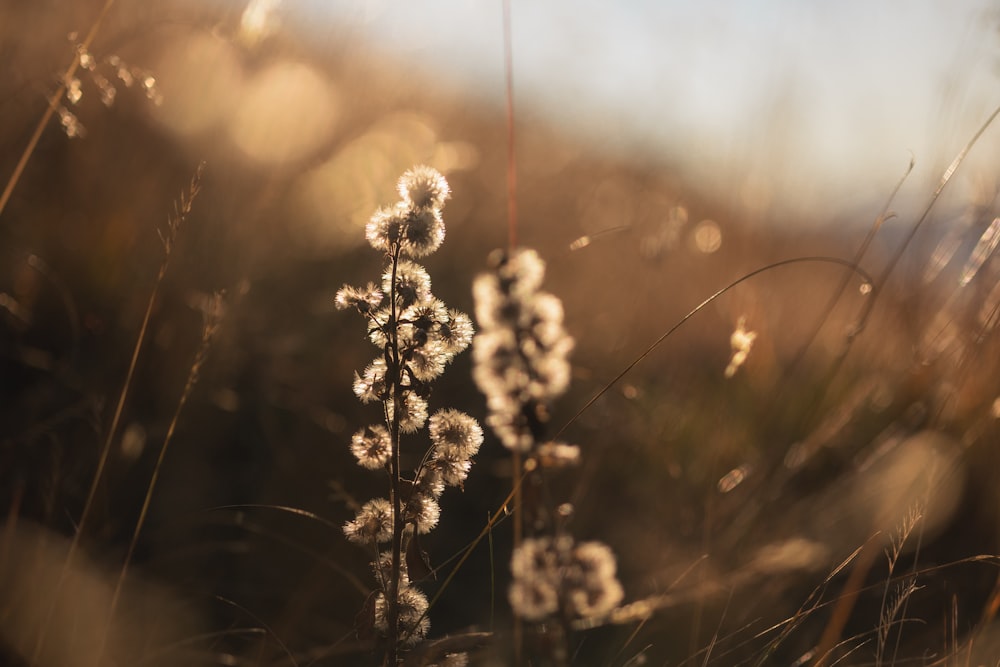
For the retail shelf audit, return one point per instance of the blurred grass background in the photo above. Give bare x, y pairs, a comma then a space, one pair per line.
736, 496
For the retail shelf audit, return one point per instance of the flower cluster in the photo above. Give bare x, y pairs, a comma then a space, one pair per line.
559, 575
521, 365
417, 336
521, 351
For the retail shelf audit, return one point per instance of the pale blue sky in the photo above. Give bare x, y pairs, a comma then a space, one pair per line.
826, 97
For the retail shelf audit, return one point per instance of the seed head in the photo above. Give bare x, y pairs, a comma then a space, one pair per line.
423, 233
413, 623
554, 574
384, 230
423, 187
413, 283
371, 386
453, 430
373, 523
365, 299
372, 447
413, 412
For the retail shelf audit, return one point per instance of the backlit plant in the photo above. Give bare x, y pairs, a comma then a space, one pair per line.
417, 336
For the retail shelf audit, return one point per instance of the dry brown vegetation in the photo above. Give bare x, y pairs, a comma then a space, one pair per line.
729, 501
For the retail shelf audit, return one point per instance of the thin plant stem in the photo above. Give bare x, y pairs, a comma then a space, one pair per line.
516, 462
211, 326
53, 104
945, 179
894, 260
493, 578
181, 212
101, 463
697, 309
394, 373
859, 255
517, 629
830, 638
508, 52
266, 628
486, 531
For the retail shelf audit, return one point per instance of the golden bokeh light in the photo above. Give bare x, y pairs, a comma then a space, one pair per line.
201, 81
287, 111
341, 194
707, 237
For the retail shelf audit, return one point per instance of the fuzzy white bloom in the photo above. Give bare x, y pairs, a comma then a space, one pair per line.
446, 468
413, 622
372, 447
453, 430
591, 587
385, 228
424, 316
423, 187
373, 523
363, 299
556, 574
429, 335
371, 386
413, 412
382, 569
424, 512
534, 593
455, 334
521, 353
423, 232
378, 327
456, 438
413, 283
426, 361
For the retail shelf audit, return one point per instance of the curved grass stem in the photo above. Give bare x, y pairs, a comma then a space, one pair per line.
697, 309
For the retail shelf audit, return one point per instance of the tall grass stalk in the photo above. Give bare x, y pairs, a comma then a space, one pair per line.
212, 313
50, 110
168, 237
508, 64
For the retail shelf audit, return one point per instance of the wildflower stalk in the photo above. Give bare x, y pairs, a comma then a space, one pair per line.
521, 365
418, 336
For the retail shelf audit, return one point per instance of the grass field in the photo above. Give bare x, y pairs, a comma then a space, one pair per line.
177, 385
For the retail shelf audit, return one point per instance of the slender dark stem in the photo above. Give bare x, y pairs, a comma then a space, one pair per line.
859, 255
945, 179
511, 162
516, 462
697, 309
395, 377
487, 530
211, 325
50, 110
182, 211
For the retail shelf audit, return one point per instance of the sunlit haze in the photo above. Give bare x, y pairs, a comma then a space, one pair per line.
789, 103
